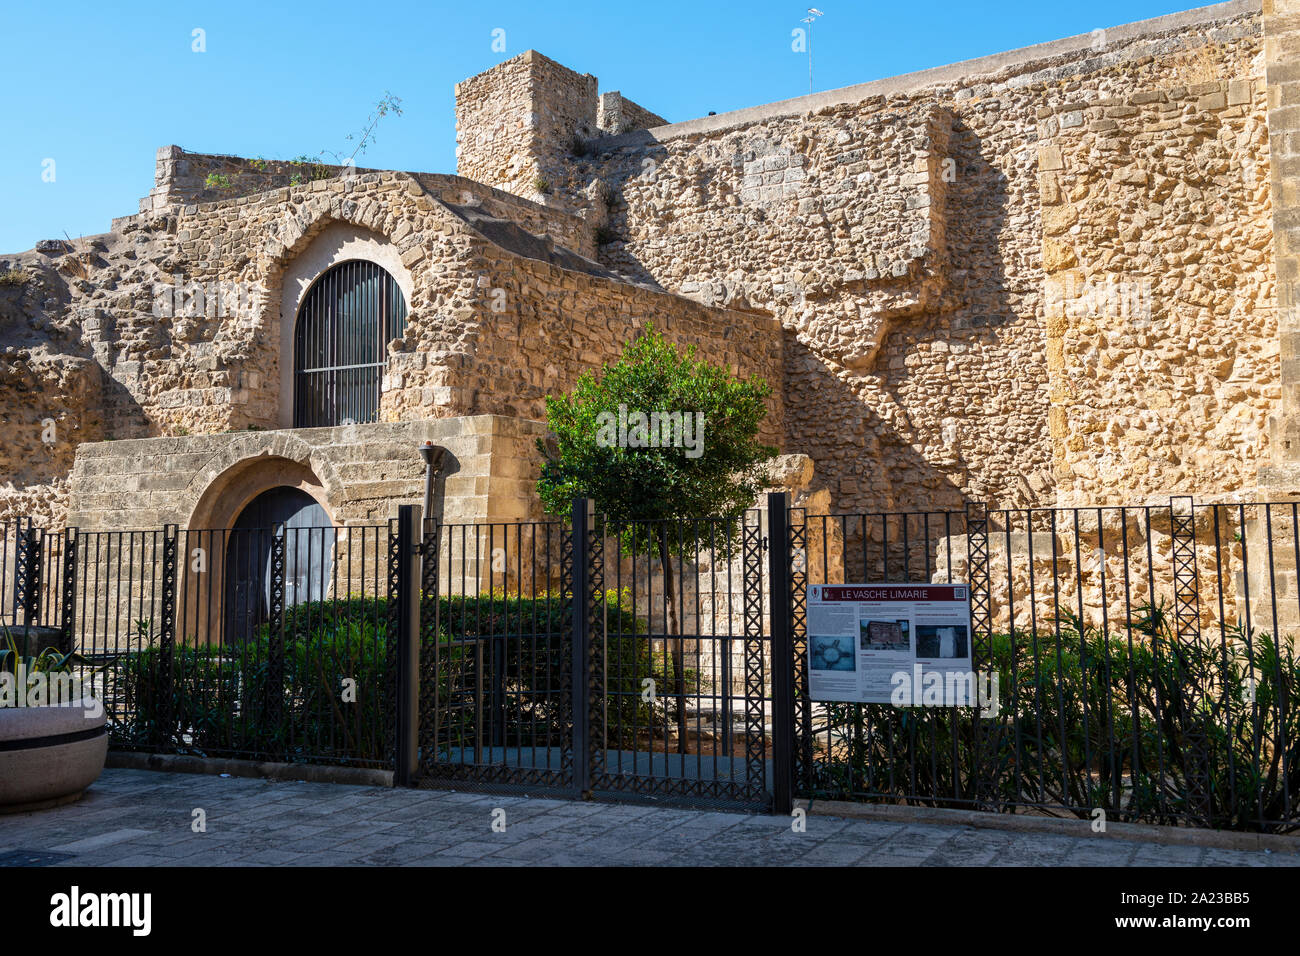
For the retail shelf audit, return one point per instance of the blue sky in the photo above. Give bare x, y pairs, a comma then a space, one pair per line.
97, 87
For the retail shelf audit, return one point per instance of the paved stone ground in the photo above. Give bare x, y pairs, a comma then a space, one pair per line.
143, 818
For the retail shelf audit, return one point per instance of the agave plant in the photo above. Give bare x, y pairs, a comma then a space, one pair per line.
48, 661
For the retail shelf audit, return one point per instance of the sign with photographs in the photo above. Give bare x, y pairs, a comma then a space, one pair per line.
872, 643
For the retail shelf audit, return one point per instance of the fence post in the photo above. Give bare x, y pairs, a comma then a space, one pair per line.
1187, 635
981, 637
430, 620
27, 575
408, 645
755, 696
583, 516
167, 636
68, 613
275, 631
778, 569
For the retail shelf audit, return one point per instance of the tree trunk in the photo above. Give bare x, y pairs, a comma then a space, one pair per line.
674, 639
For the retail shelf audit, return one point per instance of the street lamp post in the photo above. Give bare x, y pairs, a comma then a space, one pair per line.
813, 14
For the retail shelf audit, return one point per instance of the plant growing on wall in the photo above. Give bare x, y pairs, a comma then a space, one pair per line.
318, 166
639, 482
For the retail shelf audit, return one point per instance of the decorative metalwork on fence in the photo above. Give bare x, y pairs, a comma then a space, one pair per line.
265, 644
1145, 657
494, 658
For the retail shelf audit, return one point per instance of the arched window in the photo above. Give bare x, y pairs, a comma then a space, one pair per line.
341, 338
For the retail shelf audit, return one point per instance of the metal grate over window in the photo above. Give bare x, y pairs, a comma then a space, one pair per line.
340, 344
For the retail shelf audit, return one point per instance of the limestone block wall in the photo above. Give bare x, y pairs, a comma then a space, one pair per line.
562, 228
183, 178
52, 404
513, 120
185, 314
359, 473
1162, 335
1282, 46
615, 114
897, 231
554, 324
519, 123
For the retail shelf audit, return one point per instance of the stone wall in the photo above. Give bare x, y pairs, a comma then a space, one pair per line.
359, 473
940, 271
53, 404
520, 123
554, 324
1162, 339
183, 313
616, 114
1282, 54
182, 178
896, 230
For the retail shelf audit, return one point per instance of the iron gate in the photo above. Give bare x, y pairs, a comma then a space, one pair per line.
591, 659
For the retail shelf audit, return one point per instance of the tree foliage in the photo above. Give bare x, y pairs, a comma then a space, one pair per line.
631, 480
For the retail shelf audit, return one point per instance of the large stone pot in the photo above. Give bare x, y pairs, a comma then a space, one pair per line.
49, 755
33, 639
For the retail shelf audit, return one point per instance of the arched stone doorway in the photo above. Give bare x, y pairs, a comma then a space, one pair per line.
285, 520
333, 244
224, 593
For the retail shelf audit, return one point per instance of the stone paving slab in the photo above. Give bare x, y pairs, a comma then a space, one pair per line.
144, 818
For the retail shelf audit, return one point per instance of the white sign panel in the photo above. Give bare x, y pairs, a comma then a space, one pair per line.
862, 637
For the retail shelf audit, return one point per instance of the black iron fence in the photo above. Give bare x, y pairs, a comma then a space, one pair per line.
1145, 662
31, 574
495, 655
655, 686
269, 644
1144, 657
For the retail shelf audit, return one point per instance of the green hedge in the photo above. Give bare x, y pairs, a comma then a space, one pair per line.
236, 702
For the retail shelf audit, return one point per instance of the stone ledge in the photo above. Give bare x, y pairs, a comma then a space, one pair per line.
1025, 57
1017, 823
312, 773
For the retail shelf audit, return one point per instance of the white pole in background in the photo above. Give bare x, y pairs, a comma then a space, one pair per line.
810, 20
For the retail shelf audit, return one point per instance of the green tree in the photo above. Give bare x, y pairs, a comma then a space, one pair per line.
657, 437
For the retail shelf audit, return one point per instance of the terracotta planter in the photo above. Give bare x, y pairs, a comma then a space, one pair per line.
48, 755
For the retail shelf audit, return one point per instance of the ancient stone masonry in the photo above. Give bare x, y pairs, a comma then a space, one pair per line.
1162, 341
518, 124
179, 321
903, 236
1055, 276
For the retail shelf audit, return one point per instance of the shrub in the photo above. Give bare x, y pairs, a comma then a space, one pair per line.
280, 695
1090, 720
